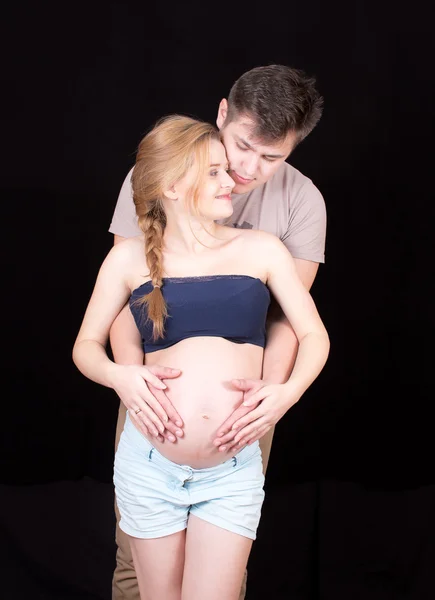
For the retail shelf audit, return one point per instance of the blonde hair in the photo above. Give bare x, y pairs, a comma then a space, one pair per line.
165, 155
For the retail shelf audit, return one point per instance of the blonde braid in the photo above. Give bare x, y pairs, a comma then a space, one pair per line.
165, 155
153, 225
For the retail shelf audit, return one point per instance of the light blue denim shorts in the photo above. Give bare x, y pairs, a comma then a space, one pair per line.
155, 495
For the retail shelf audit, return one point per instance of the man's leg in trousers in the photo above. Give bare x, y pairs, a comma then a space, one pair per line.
265, 446
124, 582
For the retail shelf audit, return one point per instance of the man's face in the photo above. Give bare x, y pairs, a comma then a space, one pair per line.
252, 163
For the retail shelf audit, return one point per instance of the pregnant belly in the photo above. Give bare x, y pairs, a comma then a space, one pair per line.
203, 394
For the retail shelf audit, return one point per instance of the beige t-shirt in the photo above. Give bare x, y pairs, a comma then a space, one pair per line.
288, 205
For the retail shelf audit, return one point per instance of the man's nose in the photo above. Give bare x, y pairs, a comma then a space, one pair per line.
250, 165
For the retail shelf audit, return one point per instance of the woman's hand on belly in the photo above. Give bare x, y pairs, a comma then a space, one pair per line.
226, 434
131, 383
203, 413
267, 404
203, 395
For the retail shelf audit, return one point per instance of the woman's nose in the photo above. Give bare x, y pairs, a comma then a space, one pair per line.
228, 181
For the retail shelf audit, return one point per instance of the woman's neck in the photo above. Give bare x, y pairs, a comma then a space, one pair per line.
191, 235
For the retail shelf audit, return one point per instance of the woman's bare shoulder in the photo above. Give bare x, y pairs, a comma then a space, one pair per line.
129, 248
127, 254
258, 238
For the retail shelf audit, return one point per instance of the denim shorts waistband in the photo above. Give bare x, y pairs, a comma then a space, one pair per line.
153, 454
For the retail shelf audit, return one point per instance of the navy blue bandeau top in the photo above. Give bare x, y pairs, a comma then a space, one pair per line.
233, 307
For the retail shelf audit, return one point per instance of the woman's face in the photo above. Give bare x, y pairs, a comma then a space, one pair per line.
215, 193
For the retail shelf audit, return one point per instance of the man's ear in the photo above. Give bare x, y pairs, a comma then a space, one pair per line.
171, 194
222, 113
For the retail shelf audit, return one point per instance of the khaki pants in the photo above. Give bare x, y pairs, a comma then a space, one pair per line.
124, 583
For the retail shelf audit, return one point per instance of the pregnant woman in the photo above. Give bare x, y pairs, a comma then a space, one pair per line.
199, 294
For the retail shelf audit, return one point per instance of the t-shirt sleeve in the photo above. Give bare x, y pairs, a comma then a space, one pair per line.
124, 220
306, 233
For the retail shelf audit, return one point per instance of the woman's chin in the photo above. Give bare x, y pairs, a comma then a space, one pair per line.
224, 214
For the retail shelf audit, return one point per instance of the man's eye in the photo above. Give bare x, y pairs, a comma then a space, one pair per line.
269, 159
241, 147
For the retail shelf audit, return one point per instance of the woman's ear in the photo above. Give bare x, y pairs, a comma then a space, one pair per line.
222, 113
171, 194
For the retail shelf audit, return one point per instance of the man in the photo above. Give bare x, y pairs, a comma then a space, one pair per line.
269, 111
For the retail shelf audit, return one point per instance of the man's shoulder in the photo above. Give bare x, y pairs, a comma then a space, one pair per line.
301, 192
286, 182
286, 192
291, 180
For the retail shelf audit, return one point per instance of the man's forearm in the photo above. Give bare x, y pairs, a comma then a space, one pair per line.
280, 352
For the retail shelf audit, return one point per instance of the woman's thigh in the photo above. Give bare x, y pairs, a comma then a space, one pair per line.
231, 497
215, 562
159, 565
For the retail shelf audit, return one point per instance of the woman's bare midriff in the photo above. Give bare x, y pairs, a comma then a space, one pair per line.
203, 394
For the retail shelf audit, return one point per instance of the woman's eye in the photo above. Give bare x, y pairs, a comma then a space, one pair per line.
214, 173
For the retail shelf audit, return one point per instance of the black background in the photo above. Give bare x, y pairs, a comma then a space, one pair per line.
351, 502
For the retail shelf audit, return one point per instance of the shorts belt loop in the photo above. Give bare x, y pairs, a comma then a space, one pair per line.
150, 454
234, 461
